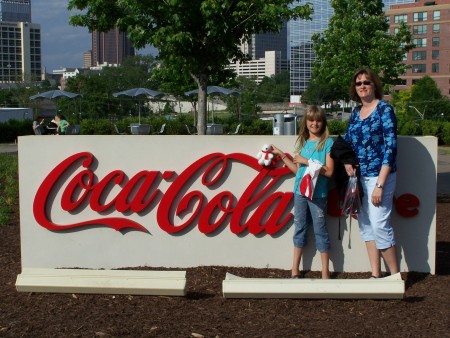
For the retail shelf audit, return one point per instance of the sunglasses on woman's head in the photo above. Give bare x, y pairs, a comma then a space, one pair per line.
365, 83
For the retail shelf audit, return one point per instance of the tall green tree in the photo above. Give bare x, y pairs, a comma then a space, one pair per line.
97, 88
274, 88
428, 100
198, 37
357, 36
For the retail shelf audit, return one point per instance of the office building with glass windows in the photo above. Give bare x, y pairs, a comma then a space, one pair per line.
302, 56
15, 10
268, 53
429, 23
110, 48
20, 44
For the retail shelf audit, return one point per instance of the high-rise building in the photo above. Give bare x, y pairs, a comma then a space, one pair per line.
259, 44
268, 53
301, 52
20, 52
15, 10
87, 59
111, 47
270, 64
429, 22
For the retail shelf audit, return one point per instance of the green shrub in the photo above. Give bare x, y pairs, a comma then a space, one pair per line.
431, 128
87, 127
11, 129
257, 127
410, 128
103, 127
337, 127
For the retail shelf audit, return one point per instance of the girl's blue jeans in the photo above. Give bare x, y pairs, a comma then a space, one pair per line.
313, 211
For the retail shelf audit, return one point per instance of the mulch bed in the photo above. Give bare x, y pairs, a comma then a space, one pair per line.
423, 312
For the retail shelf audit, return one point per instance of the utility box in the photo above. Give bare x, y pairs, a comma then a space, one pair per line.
285, 124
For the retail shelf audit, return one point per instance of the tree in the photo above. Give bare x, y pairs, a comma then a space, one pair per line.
274, 88
357, 37
97, 88
197, 37
427, 98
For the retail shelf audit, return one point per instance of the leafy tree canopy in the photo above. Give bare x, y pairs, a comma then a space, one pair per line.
197, 37
357, 37
427, 98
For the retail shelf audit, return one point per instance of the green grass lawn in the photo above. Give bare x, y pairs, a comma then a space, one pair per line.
9, 187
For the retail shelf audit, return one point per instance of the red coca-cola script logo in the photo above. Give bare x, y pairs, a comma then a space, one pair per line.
260, 208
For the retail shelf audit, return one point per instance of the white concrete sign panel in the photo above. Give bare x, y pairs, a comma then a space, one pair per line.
104, 202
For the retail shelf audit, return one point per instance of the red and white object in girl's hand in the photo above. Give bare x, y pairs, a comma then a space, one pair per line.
309, 180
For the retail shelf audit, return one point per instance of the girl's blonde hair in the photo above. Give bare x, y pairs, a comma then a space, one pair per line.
313, 113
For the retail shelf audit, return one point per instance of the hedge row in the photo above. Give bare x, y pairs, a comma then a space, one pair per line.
177, 126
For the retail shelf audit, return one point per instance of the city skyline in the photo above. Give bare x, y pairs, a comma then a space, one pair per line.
63, 45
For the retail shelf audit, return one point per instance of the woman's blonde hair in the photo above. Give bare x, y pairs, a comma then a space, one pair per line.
313, 113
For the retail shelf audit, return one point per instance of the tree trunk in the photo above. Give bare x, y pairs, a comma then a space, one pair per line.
202, 81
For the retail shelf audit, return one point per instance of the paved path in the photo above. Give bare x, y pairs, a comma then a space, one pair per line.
443, 172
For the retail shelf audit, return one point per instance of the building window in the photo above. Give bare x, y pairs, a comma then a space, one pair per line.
420, 68
402, 82
422, 29
435, 67
435, 42
400, 18
420, 42
421, 16
437, 15
435, 54
419, 55
436, 28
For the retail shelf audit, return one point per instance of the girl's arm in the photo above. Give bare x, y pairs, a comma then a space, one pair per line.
328, 169
286, 160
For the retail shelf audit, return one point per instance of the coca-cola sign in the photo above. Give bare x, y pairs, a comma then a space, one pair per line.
141, 192
183, 201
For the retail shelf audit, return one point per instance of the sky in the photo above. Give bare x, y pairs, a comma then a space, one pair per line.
63, 45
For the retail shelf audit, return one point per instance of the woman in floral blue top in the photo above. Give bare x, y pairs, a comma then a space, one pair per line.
372, 133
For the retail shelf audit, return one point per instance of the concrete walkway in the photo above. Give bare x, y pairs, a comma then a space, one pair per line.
443, 172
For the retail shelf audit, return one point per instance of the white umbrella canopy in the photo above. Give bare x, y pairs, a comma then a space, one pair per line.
54, 94
139, 92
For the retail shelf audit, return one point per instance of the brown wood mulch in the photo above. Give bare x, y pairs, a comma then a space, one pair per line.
424, 311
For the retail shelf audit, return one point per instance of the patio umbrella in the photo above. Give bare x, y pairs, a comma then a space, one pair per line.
214, 90
139, 92
54, 94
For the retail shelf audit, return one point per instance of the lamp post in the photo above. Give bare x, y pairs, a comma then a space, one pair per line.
422, 115
9, 75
